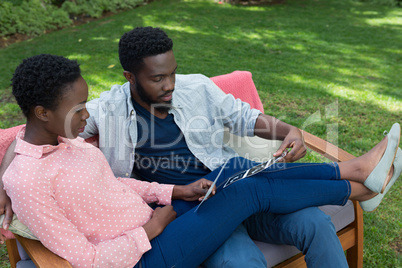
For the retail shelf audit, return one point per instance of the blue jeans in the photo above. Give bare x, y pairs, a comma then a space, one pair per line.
281, 189
309, 229
237, 251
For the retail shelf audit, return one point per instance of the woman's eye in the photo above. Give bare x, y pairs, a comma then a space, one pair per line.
80, 108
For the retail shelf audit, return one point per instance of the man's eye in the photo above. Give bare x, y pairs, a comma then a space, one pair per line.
158, 79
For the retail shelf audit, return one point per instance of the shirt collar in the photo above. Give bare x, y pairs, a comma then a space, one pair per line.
37, 151
130, 106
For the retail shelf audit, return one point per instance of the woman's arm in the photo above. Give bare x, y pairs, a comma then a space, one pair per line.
161, 217
41, 213
164, 193
193, 191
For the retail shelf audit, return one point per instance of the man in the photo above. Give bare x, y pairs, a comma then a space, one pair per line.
164, 127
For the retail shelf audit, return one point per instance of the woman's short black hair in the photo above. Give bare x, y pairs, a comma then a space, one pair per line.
42, 80
142, 42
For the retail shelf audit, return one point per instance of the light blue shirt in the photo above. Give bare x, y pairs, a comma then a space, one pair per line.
201, 110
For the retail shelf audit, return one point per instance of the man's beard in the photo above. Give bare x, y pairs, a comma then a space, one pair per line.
161, 107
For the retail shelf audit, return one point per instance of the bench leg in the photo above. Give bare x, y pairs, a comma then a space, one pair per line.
355, 253
13, 254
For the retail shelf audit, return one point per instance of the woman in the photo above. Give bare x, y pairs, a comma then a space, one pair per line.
65, 192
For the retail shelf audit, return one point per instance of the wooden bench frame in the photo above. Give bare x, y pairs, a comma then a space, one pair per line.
351, 236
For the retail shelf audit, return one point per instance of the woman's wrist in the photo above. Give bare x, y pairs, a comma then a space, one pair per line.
178, 191
152, 229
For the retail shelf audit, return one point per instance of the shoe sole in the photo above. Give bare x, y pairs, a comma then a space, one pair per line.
387, 180
397, 169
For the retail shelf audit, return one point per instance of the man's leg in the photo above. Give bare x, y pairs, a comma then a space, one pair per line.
238, 251
309, 229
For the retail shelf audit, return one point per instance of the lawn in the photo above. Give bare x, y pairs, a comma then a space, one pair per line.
330, 67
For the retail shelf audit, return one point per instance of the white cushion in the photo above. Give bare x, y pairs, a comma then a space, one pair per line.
253, 148
18, 228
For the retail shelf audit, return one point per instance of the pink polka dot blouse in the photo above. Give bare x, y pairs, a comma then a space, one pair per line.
69, 198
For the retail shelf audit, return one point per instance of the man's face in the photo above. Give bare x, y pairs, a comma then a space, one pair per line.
154, 83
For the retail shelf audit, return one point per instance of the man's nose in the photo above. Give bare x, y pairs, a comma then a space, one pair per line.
169, 85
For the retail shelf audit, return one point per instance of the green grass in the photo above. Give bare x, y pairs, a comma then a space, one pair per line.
330, 67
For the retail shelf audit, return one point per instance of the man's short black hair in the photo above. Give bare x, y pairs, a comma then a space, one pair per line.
42, 80
142, 42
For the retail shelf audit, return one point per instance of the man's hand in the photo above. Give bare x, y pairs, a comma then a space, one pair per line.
161, 217
293, 140
5, 202
2, 239
193, 191
5, 208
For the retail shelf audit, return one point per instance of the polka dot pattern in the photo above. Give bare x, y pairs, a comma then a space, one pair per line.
69, 198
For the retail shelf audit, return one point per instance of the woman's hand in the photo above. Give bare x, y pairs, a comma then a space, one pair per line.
161, 217
193, 191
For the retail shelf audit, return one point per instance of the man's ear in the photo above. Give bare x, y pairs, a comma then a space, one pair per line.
41, 113
130, 77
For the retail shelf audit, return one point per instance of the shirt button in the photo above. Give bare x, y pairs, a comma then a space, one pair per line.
68, 147
126, 174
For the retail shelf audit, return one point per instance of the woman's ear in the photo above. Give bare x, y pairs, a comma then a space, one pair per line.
130, 77
41, 113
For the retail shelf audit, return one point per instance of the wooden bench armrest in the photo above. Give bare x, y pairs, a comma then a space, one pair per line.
40, 255
325, 148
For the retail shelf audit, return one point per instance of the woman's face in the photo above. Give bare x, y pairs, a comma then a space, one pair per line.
69, 118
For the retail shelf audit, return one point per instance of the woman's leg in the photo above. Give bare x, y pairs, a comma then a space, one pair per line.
358, 169
286, 171
191, 238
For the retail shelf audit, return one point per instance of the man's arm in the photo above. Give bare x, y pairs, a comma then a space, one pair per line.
268, 127
5, 202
